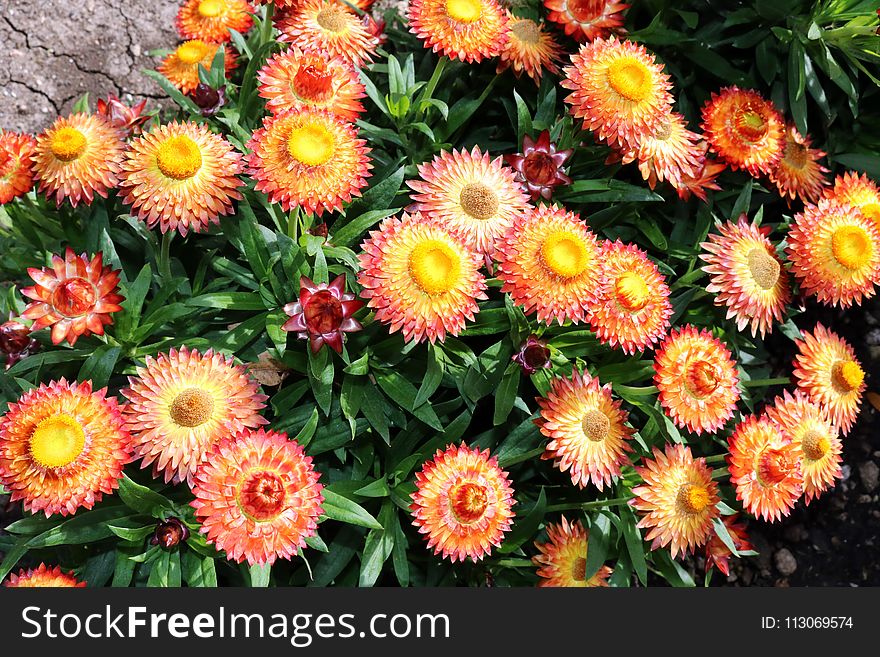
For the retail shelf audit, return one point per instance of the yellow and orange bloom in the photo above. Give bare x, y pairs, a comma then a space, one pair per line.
77, 158
744, 129
469, 30
669, 152
181, 67
328, 27
563, 558
16, 165
62, 447
41, 577
633, 308
618, 89
586, 20
589, 438
420, 278
257, 497
765, 468
182, 404
462, 503
827, 371
530, 49
211, 20
746, 275
549, 262
798, 173
75, 297
308, 158
294, 79
857, 190
678, 500
835, 253
701, 181
807, 426
697, 380
181, 176
470, 194
717, 552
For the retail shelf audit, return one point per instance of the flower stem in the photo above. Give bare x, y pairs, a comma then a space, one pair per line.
434, 81
584, 506
764, 383
164, 263
716, 458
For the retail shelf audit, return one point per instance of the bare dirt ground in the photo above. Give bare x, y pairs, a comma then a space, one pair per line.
53, 51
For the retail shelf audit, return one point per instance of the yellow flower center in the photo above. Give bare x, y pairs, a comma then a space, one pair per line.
632, 291
630, 78
596, 425
565, 254
795, 155
468, 502
57, 441
434, 266
211, 8
851, 246
478, 200
464, 11
526, 31
192, 408
332, 19
311, 144
179, 158
702, 378
192, 52
764, 268
67, 144
750, 125
847, 375
262, 495
692, 498
872, 212
815, 444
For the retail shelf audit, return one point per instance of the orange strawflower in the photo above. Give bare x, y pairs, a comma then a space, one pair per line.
328, 27
211, 20
16, 165
43, 576
462, 503
530, 49
181, 67
469, 30
586, 20
857, 190
798, 173
75, 297
563, 558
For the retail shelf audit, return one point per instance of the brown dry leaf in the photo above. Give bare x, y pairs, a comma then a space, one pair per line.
268, 371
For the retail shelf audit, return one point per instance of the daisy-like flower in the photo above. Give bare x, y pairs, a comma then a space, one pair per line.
563, 558
539, 168
420, 278
677, 500
697, 379
471, 194
183, 403
182, 66
211, 20
717, 552
744, 129
798, 173
702, 180
618, 89
806, 425
633, 307
469, 30
746, 275
323, 313
257, 497
16, 165
669, 152
835, 253
549, 262
530, 49
62, 447
586, 20
828, 372
75, 297
587, 430
43, 576
462, 503
77, 158
765, 468
295, 79
857, 190
328, 27
308, 158
181, 176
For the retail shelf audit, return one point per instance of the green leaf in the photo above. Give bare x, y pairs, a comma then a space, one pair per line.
505, 396
377, 548
634, 544
132, 534
342, 509
308, 431
173, 92
597, 547
433, 377
142, 499
99, 366
321, 372
797, 102
525, 528
260, 574
352, 230
198, 571
229, 301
